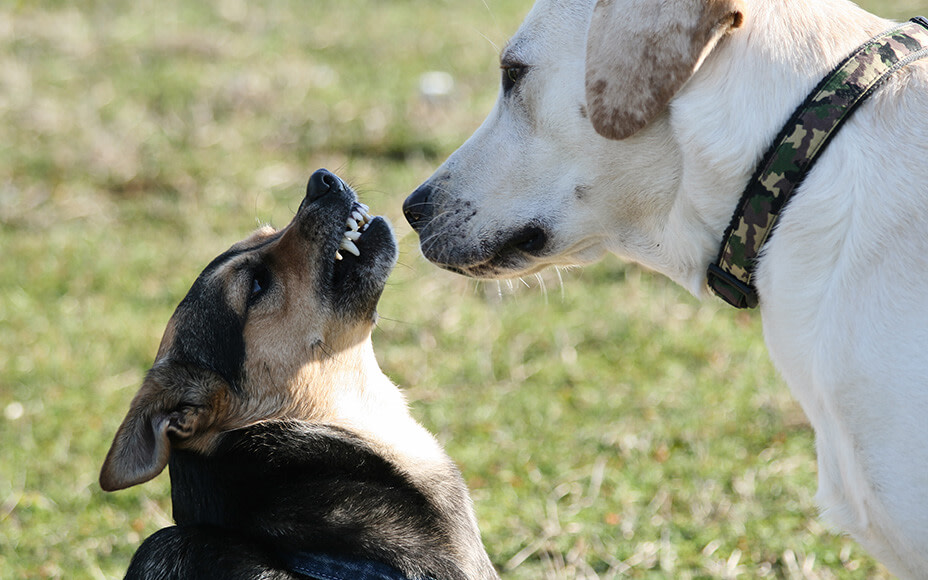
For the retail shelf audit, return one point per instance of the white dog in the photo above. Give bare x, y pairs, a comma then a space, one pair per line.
690, 94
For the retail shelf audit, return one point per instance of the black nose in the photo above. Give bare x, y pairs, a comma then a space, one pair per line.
322, 182
418, 208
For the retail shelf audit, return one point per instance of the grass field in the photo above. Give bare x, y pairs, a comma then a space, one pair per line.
609, 425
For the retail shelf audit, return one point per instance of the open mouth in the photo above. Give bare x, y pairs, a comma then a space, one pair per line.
363, 261
358, 250
355, 226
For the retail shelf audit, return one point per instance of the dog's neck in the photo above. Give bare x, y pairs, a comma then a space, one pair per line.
343, 404
770, 65
294, 487
347, 389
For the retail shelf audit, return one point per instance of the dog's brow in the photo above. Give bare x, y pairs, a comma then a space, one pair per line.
234, 252
511, 53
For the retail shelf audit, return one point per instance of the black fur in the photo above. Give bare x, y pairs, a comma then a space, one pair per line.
264, 492
209, 333
207, 552
288, 486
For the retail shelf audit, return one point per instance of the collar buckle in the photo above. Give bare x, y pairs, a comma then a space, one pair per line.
730, 289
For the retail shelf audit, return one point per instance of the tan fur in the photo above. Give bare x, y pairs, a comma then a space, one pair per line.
663, 43
275, 334
298, 354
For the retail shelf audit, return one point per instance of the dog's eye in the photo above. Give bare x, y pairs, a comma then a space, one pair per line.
511, 76
260, 282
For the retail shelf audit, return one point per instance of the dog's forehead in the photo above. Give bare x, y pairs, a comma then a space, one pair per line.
167, 339
551, 21
258, 238
259, 241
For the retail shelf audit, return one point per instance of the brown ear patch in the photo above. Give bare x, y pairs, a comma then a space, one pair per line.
640, 52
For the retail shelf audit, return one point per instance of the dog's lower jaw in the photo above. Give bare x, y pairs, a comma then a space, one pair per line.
517, 264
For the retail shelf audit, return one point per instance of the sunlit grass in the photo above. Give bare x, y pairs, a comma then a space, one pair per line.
607, 424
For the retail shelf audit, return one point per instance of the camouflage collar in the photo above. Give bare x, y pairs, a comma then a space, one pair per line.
795, 150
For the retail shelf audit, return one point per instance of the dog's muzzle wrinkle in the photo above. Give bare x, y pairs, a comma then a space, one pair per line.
418, 207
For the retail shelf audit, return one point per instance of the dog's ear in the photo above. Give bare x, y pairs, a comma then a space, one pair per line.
640, 52
142, 444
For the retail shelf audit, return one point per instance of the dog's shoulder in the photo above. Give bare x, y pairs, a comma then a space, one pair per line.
294, 444
302, 486
306, 467
205, 553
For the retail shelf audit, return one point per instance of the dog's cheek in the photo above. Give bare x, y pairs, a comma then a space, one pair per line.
279, 348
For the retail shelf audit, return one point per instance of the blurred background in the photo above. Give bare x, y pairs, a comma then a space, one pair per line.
608, 424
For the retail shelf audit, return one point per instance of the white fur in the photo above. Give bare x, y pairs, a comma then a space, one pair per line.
366, 401
843, 282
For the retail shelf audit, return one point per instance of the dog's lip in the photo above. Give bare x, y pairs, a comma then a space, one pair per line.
495, 269
356, 282
360, 248
513, 252
514, 264
349, 245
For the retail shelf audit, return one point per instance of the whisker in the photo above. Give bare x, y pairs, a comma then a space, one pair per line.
560, 281
431, 238
541, 284
422, 204
322, 347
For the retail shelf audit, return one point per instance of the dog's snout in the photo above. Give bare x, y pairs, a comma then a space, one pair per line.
322, 182
418, 207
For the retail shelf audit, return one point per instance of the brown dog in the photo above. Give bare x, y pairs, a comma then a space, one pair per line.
291, 454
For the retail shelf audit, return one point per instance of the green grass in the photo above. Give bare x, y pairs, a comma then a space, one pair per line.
608, 425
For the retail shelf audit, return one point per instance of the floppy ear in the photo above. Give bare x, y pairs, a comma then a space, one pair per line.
640, 52
142, 446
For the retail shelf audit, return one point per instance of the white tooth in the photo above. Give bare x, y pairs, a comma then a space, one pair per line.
364, 227
338, 255
349, 247
352, 235
351, 223
363, 207
357, 216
